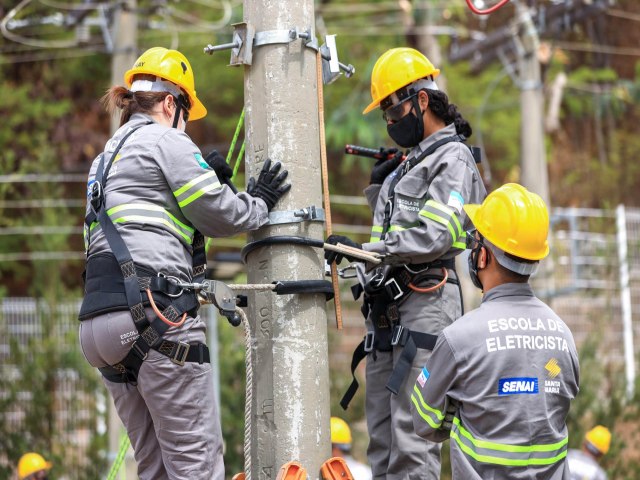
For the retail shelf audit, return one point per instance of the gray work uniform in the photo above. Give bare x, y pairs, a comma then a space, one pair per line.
159, 191
427, 224
512, 366
583, 466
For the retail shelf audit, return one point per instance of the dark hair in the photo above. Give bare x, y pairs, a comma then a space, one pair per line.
447, 112
119, 98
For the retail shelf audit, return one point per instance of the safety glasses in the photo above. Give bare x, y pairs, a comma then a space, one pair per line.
396, 112
472, 241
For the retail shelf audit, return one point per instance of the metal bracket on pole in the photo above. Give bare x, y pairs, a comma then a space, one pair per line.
307, 214
245, 39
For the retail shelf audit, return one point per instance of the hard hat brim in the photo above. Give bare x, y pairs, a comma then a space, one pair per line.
198, 110
471, 211
372, 106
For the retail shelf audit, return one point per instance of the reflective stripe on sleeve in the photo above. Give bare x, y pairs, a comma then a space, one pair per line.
144, 213
376, 233
446, 216
504, 454
431, 415
196, 188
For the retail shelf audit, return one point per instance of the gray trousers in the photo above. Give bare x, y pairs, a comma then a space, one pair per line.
395, 452
170, 415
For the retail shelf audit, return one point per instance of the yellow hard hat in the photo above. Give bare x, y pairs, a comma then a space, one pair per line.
600, 438
31, 463
340, 431
397, 68
170, 65
513, 219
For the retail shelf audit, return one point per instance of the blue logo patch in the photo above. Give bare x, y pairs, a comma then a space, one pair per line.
517, 385
201, 161
89, 185
423, 377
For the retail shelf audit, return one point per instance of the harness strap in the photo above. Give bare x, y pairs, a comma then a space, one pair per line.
403, 170
150, 332
410, 341
358, 354
178, 352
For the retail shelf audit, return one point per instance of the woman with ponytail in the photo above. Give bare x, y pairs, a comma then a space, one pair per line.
419, 227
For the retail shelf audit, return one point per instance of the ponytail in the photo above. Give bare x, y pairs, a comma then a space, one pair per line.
448, 112
119, 98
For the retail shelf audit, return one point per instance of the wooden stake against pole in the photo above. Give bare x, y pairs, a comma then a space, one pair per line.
325, 188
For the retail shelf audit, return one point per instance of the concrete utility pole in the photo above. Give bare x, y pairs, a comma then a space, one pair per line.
125, 51
533, 175
290, 419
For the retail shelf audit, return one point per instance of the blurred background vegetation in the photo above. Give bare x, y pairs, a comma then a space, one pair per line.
52, 124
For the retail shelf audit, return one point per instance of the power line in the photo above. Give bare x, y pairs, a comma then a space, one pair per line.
42, 178
610, 49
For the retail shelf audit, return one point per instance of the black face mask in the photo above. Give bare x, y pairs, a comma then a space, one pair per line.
409, 130
473, 267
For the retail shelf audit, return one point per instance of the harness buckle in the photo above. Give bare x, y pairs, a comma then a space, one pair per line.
368, 341
180, 356
399, 336
96, 197
139, 352
391, 286
377, 278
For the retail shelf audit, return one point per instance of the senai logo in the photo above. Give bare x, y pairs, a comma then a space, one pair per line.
517, 385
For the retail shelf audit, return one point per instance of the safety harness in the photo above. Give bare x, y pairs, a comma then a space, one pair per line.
114, 282
384, 294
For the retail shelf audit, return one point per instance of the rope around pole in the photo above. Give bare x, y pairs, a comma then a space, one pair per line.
117, 463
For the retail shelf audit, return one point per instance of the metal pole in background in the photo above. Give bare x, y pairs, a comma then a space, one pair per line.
124, 34
290, 406
533, 173
625, 300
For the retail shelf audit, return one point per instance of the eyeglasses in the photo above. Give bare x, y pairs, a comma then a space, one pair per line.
396, 112
471, 239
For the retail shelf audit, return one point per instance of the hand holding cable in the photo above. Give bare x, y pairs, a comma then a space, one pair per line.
269, 186
332, 256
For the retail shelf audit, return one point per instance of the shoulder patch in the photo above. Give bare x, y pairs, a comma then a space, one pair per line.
423, 377
456, 201
201, 161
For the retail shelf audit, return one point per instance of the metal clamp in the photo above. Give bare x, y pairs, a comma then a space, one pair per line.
245, 39
307, 214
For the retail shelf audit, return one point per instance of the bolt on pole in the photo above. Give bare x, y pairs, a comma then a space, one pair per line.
290, 405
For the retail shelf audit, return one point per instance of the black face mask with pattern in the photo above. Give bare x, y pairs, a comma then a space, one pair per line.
409, 130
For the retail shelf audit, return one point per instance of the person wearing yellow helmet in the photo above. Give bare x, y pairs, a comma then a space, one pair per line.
151, 200
501, 378
33, 466
341, 442
584, 463
419, 227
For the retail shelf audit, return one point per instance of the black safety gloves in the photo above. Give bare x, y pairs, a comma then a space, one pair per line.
337, 257
223, 170
269, 185
383, 167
